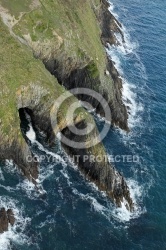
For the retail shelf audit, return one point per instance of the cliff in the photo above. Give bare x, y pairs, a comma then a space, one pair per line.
46, 49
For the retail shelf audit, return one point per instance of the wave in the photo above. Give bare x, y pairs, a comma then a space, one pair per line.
31, 135
1, 175
99, 202
15, 234
95, 198
133, 93
111, 9
129, 92
10, 167
44, 173
125, 45
136, 192
119, 54
108, 210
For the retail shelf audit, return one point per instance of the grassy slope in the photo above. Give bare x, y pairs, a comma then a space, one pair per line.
72, 21
19, 72
18, 68
16, 7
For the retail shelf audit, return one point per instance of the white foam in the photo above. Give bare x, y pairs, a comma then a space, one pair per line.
134, 107
44, 172
129, 95
116, 53
109, 210
16, 233
10, 167
125, 46
28, 187
111, 9
8, 188
1, 175
35, 191
32, 137
94, 203
54, 155
9, 163
66, 175
58, 135
136, 193
31, 134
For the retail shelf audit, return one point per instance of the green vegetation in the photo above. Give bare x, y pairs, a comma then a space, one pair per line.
73, 21
15, 7
22, 75
19, 70
93, 70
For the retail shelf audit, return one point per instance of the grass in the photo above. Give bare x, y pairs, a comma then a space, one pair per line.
19, 69
15, 7
93, 70
74, 21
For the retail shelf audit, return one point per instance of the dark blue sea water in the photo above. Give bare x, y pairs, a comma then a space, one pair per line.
73, 214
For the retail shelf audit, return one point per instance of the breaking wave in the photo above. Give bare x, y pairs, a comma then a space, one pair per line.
15, 234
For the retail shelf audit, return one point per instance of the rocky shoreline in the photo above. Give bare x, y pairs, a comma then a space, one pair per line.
31, 49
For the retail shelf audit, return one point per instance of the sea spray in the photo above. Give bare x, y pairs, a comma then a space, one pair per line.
15, 234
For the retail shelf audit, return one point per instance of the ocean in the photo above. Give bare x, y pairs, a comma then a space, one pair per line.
72, 213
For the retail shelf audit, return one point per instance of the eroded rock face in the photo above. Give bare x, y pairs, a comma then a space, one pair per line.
110, 26
6, 218
20, 152
98, 169
83, 78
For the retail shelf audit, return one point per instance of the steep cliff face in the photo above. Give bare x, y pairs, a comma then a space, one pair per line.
110, 26
64, 37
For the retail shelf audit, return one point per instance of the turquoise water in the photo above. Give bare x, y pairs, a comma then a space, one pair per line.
73, 214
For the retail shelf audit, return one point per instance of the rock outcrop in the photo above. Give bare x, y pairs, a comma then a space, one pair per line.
110, 26
63, 38
6, 218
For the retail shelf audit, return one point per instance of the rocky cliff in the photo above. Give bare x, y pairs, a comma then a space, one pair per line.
46, 49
